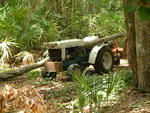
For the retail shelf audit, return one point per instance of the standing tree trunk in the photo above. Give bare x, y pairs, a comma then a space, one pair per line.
138, 37
143, 54
131, 42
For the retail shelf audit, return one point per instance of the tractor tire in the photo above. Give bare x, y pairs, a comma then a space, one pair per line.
104, 61
73, 68
45, 74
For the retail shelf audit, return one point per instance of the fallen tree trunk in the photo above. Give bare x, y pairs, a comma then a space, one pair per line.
85, 42
104, 39
18, 72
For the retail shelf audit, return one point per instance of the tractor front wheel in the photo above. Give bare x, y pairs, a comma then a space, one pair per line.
46, 74
73, 68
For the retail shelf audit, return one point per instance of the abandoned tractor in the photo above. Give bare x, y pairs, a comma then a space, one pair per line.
72, 55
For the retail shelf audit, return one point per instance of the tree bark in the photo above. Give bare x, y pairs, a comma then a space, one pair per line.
104, 39
138, 37
96, 41
131, 42
143, 54
18, 72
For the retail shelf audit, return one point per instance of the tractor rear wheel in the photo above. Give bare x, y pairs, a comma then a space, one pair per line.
104, 61
46, 74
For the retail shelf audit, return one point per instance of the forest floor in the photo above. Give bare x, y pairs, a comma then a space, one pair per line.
61, 92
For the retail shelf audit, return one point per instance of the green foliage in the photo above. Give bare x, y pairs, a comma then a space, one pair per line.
105, 25
144, 13
34, 74
39, 82
30, 23
131, 7
143, 10
126, 77
26, 25
97, 91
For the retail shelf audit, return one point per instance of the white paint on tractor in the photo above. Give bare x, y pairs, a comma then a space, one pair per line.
93, 54
71, 42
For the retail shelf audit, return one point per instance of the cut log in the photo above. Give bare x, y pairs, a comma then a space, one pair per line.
85, 42
104, 39
18, 72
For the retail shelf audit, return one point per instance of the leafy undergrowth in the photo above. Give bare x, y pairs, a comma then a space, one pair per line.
58, 95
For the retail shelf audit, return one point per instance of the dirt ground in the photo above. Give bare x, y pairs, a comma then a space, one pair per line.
61, 92
131, 102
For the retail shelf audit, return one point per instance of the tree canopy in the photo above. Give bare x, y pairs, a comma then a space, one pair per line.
30, 23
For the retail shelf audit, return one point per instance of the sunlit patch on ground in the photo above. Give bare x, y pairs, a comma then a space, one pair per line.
124, 62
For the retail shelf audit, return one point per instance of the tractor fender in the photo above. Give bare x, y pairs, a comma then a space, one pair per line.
94, 52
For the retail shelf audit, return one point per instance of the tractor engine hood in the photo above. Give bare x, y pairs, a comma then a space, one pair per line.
70, 43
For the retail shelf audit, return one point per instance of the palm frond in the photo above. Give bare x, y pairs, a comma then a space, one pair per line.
27, 57
5, 49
